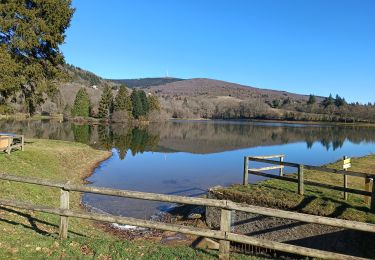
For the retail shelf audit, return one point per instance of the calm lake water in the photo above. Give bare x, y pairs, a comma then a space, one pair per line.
188, 157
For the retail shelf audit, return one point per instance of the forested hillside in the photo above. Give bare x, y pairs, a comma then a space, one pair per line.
207, 98
202, 98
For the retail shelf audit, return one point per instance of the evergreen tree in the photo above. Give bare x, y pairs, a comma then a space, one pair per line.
30, 34
312, 100
122, 100
339, 101
137, 108
328, 101
81, 106
144, 101
106, 103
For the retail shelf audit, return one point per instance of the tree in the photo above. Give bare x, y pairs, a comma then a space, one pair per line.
30, 34
328, 101
312, 100
106, 103
154, 103
122, 100
144, 101
339, 101
137, 108
82, 104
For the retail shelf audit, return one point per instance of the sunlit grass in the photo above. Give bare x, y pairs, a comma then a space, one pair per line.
318, 201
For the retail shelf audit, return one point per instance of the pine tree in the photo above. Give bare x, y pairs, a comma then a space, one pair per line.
106, 103
30, 34
312, 100
81, 106
328, 101
339, 101
144, 101
122, 100
137, 108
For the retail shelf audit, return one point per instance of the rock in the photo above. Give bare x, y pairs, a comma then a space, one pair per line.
206, 243
174, 239
194, 216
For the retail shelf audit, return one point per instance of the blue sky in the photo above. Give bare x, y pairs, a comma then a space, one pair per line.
302, 46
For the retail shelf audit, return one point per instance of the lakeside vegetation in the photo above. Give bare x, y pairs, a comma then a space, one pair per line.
27, 234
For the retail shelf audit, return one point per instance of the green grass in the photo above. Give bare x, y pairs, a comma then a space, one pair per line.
33, 235
319, 201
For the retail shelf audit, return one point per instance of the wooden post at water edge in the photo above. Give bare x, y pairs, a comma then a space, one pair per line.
225, 226
346, 165
300, 180
281, 171
245, 171
64, 204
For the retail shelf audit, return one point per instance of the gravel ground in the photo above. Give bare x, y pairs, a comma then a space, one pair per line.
297, 233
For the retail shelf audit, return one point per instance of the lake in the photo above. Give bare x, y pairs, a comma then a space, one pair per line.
188, 157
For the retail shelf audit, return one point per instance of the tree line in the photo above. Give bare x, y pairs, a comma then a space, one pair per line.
121, 108
313, 108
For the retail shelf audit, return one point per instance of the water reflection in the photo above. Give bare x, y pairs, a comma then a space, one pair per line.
194, 137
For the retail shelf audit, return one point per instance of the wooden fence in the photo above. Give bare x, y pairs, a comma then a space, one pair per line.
224, 235
300, 180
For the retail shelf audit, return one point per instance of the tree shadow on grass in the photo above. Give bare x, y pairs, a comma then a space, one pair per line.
32, 221
304, 203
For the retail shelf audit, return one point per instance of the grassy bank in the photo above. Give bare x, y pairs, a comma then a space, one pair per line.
319, 201
32, 235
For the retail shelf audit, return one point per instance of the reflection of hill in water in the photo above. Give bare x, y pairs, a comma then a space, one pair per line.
209, 137
194, 137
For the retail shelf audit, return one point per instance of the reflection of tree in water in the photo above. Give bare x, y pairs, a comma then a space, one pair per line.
206, 137
122, 142
141, 140
105, 136
137, 140
82, 133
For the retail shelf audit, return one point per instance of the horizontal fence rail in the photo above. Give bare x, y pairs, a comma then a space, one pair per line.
310, 167
301, 181
226, 206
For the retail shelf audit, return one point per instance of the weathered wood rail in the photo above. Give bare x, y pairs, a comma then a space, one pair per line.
301, 181
224, 234
11, 141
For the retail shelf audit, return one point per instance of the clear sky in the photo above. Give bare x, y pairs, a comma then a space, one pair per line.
302, 46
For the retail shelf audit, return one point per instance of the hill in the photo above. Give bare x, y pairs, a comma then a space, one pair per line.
145, 82
62, 100
204, 98
216, 88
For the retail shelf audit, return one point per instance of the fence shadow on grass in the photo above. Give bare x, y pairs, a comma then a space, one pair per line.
32, 221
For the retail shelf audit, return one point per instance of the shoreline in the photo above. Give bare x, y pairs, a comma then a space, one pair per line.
137, 123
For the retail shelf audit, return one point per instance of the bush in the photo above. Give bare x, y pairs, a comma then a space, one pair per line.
6, 109
120, 116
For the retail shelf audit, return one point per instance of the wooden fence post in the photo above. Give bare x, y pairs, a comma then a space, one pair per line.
373, 196
10, 141
22, 143
345, 180
281, 172
64, 204
367, 188
225, 226
246, 171
300, 180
